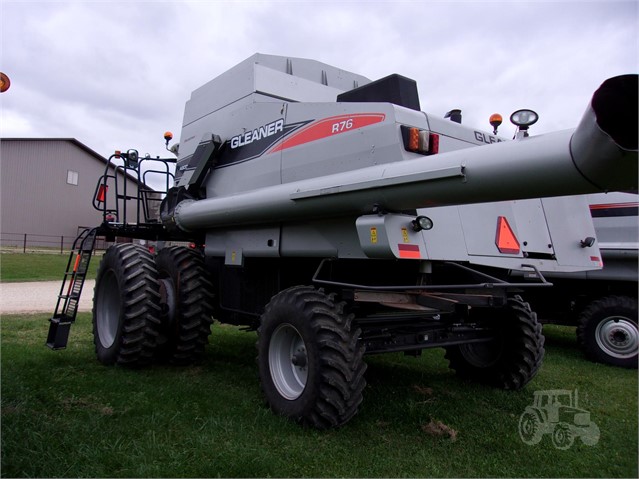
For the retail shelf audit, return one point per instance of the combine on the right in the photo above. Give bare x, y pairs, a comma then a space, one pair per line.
602, 304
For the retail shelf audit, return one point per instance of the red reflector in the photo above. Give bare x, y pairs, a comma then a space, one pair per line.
505, 239
434, 144
409, 251
102, 191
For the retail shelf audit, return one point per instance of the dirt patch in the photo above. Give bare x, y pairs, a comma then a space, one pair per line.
438, 428
39, 297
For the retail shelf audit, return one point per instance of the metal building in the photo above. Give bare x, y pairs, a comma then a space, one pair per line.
47, 187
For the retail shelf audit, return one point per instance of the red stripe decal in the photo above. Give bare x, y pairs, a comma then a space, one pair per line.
329, 127
409, 251
613, 205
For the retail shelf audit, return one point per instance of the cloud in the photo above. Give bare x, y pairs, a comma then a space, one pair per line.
117, 74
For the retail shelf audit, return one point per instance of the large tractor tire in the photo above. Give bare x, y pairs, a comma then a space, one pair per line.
310, 358
607, 331
512, 358
126, 312
186, 302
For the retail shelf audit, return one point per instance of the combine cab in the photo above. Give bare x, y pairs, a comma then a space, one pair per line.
313, 192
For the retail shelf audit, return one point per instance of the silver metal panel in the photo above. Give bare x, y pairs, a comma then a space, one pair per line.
252, 75
331, 238
346, 149
479, 223
445, 241
390, 236
533, 234
292, 88
616, 232
569, 223
236, 244
256, 173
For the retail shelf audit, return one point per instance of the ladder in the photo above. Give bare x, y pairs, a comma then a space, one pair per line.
66, 308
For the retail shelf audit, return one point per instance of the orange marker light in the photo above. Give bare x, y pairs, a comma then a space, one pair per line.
413, 139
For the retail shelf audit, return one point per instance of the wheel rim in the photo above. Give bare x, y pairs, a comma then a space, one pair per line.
108, 309
482, 355
288, 361
617, 337
168, 300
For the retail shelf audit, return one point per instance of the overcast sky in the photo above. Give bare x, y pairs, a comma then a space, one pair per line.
116, 74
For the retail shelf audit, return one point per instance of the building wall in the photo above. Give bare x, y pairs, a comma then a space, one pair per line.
36, 194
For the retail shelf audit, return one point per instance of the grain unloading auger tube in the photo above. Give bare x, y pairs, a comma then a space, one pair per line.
599, 155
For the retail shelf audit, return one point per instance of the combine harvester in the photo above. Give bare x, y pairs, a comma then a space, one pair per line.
303, 187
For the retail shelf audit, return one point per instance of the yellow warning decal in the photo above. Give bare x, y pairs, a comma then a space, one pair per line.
374, 235
405, 235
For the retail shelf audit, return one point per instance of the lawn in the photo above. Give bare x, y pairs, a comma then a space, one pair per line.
65, 415
39, 266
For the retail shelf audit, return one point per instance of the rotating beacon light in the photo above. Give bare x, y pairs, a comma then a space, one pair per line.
495, 120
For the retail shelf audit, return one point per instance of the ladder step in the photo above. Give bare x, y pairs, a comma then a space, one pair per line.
69, 296
58, 334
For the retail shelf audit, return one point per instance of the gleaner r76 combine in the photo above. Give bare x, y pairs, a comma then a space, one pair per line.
302, 186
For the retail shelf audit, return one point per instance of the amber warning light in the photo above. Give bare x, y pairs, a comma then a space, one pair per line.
495, 121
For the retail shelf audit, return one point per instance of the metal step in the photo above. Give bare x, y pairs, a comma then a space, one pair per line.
58, 333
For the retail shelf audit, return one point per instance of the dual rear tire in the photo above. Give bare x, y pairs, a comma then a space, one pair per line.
146, 309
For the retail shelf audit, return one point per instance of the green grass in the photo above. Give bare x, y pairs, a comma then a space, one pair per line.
39, 267
65, 415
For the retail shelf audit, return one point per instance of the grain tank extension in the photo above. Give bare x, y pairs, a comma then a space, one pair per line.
312, 196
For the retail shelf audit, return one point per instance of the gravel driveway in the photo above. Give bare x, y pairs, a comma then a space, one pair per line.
39, 297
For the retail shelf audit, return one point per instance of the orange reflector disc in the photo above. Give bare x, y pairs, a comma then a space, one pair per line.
505, 239
5, 83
